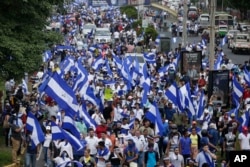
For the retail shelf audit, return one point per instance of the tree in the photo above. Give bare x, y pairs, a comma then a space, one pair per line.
130, 11
22, 37
242, 6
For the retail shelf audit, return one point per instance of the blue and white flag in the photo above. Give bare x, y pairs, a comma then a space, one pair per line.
236, 109
59, 133
118, 62
186, 100
204, 42
154, 116
59, 90
33, 126
223, 42
47, 55
244, 120
237, 89
217, 65
201, 106
83, 76
163, 70
25, 87
172, 93
246, 76
149, 57
89, 122
69, 124
157, 40
98, 63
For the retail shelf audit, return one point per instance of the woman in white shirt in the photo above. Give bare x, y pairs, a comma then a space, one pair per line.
48, 139
65, 146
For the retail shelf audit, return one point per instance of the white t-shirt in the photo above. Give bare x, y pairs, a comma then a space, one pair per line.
92, 142
107, 142
244, 141
116, 35
139, 113
62, 162
48, 138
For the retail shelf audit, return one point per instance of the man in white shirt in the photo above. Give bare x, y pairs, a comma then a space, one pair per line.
92, 142
177, 159
138, 112
97, 116
106, 140
140, 146
244, 138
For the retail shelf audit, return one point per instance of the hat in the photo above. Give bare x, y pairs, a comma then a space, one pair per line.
166, 158
232, 115
47, 127
130, 97
206, 111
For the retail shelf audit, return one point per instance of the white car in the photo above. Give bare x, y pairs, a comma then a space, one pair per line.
87, 28
103, 35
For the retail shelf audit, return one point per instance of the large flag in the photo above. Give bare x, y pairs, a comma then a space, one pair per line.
172, 93
186, 100
89, 122
47, 55
98, 63
33, 125
83, 73
149, 57
59, 133
237, 89
201, 106
154, 116
244, 120
69, 124
246, 76
218, 62
59, 90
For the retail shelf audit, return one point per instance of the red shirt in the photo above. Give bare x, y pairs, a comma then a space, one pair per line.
246, 94
100, 129
201, 82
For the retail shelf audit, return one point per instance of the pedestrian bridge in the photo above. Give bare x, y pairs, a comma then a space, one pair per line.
172, 13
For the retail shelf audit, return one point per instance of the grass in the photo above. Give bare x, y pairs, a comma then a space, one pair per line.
5, 153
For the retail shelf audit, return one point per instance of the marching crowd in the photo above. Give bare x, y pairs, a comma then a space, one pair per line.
123, 131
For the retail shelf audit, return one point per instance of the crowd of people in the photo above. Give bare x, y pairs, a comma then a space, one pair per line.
123, 133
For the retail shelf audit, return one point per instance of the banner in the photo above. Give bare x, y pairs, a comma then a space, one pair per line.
218, 86
191, 61
97, 3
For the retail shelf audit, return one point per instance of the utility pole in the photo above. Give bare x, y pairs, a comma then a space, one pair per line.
212, 34
184, 25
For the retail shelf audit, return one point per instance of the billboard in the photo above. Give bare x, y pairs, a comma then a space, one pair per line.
218, 85
191, 61
98, 3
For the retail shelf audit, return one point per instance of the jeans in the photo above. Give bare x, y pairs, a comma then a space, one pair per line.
30, 160
45, 154
140, 159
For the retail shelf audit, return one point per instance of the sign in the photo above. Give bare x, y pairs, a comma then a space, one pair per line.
218, 85
98, 3
239, 158
191, 61
144, 23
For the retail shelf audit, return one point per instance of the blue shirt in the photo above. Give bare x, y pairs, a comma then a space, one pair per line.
215, 136
185, 143
151, 159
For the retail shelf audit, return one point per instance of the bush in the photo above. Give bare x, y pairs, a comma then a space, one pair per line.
130, 11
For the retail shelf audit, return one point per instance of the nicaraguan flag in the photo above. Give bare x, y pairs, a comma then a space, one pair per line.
25, 87
83, 76
118, 62
186, 100
246, 76
89, 122
218, 62
47, 55
154, 116
69, 124
172, 93
149, 57
59, 133
223, 42
61, 92
201, 106
163, 70
237, 89
98, 63
157, 40
90, 96
33, 125
236, 109
244, 120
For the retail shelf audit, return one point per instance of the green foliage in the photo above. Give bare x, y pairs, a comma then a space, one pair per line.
22, 39
242, 6
130, 11
150, 31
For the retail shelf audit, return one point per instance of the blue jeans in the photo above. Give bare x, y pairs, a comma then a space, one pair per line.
140, 159
30, 160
